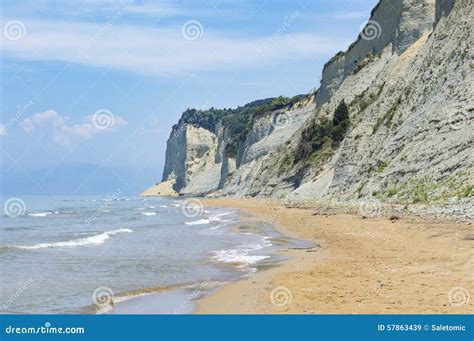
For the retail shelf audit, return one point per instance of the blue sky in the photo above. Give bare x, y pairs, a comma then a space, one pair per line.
142, 63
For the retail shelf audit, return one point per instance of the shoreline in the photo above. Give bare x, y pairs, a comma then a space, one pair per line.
180, 298
382, 265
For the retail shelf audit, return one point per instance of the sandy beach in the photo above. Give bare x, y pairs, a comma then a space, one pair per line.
406, 265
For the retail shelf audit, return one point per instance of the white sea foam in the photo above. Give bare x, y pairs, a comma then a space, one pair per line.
163, 206
39, 214
92, 240
223, 214
211, 219
198, 222
149, 213
237, 256
242, 254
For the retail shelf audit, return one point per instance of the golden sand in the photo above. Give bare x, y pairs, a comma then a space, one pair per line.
364, 266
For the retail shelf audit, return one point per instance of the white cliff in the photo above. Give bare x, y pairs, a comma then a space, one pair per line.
408, 87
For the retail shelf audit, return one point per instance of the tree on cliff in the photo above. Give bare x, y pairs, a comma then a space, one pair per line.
340, 122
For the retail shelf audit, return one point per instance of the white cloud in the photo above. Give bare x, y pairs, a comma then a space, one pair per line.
3, 130
64, 133
40, 119
159, 51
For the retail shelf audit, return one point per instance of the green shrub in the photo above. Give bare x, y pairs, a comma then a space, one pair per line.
381, 166
467, 192
322, 134
340, 122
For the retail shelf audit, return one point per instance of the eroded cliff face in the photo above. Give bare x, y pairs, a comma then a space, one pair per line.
396, 23
270, 133
197, 160
409, 93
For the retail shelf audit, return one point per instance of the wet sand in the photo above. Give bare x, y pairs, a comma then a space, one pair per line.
169, 302
364, 266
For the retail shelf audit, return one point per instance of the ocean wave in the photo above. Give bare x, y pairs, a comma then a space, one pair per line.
149, 213
242, 254
198, 222
223, 214
209, 220
65, 211
40, 214
237, 256
92, 240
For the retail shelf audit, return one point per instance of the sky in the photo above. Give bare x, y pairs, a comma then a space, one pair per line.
90, 89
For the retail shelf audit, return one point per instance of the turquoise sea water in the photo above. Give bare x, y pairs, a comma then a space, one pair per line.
60, 250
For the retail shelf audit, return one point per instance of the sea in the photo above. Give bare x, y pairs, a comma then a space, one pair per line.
64, 254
